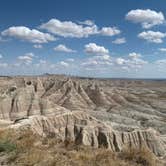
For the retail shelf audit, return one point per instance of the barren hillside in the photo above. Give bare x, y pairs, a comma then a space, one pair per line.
96, 112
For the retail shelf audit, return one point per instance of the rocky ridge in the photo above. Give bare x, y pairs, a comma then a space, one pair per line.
95, 112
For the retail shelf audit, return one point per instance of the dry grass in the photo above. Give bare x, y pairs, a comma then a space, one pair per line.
140, 156
32, 150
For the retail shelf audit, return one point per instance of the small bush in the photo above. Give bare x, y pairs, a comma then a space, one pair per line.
7, 146
140, 156
26, 140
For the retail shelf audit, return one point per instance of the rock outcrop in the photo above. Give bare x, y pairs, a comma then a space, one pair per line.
96, 112
81, 128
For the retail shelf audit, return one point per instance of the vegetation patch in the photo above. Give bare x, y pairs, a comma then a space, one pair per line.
26, 148
7, 146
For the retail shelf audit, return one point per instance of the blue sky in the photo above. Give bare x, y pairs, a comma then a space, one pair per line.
97, 38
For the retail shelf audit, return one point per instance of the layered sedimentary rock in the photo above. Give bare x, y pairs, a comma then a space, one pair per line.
126, 111
81, 128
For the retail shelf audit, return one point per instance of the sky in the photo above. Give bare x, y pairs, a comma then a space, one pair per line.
91, 38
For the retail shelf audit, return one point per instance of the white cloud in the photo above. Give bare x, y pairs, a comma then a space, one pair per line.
90, 63
109, 31
70, 60
26, 34
63, 48
133, 62
161, 62
87, 22
134, 55
100, 64
97, 60
162, 49
151, 36
126, 68
42, 61
37, 46
27, 58
83, 29
120, 61
119, 41
136, 63
1, 56
3, 65
147, 18
94, 49
69, 28
65, 64
104, 57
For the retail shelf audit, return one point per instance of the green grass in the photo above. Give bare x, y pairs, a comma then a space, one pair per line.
7, 146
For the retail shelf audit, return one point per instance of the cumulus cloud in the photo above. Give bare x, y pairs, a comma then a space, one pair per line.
97, 60
130, 63
37, 46
27, 58
147, 18
87, 22
63, 48
95, 49
65, 64
109, 31
26, 34
162, 49
134, 55
151, 36
68, 28
77, 30
119, 41
1, 56
90, 63
70, 60
134, 61
41, 61
120, 61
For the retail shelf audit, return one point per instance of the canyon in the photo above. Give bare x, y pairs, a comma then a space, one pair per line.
111, 113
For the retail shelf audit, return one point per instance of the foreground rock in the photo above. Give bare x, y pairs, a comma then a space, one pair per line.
81, 128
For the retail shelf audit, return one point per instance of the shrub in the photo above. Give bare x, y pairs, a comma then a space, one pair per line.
140, 156
7, 146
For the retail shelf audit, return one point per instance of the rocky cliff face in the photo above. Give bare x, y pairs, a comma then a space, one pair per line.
81, 128
110, 113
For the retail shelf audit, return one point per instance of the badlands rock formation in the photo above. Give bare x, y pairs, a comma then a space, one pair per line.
95, 112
